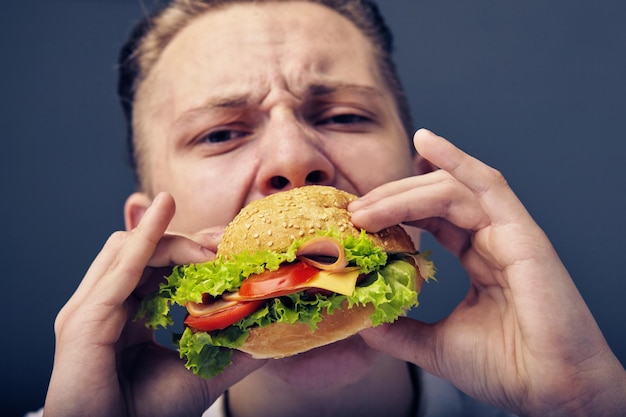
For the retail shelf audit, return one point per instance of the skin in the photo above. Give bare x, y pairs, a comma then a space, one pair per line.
248, 82
277, 89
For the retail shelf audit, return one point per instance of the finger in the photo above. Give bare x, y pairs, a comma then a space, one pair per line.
241, 366
100, 264
115, 246
414, 199
488, 184
454, 239
124, 273
153, 370
394, 187
405, 339
179, 250
172, 250
208, 238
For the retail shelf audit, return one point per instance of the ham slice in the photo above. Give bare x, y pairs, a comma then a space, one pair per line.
324, 253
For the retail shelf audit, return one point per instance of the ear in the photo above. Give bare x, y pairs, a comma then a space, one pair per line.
421, 165
134, 209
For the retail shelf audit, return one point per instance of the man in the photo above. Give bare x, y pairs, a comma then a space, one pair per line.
235, 101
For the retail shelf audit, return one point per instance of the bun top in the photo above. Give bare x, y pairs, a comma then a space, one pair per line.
277, 220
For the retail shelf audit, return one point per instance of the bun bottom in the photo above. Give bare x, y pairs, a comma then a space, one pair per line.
279, 340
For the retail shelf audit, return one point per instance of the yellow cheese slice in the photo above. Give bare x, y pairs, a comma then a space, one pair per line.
338, 282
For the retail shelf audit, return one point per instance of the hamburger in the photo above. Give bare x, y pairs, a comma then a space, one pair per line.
291, 273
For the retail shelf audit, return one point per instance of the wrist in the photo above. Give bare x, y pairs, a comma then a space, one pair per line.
610, 402
601, 396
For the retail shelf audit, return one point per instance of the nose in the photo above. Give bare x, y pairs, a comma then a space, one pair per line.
292, 156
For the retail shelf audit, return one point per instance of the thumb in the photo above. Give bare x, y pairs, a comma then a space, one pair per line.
242, 365
406, 339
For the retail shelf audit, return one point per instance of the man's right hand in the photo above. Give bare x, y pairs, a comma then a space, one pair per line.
108, 364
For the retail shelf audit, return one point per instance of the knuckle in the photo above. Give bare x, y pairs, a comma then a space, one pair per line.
450, 189
497, 178
450, 186
117, 238
493, 179
61, 320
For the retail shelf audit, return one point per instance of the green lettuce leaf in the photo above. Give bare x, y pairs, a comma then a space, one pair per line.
391, 290
208, 354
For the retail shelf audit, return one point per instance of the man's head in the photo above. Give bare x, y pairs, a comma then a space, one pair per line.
251, 98
154, 33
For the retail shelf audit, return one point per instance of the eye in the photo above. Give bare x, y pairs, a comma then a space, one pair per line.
224, 135
344, 119
223, 139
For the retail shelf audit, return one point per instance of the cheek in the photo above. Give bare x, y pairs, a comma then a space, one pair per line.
206, 195
368, 165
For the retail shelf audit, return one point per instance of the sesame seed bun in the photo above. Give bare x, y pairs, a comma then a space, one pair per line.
274, 223
280, 340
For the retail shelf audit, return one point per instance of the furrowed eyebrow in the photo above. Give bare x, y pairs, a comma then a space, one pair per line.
229, 102
333, 88
226, 102
242, 101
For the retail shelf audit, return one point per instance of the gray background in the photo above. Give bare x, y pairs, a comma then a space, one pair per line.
535, 88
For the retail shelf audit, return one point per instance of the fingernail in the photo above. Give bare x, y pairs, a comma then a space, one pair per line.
358, 204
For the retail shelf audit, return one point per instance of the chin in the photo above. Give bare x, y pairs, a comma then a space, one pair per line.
327, 367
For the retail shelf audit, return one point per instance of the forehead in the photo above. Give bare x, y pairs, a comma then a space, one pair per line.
260, 45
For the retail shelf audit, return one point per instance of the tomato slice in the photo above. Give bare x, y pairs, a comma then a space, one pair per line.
283, 281
223, 318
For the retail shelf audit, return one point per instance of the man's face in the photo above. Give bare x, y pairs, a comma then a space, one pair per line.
250, 99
